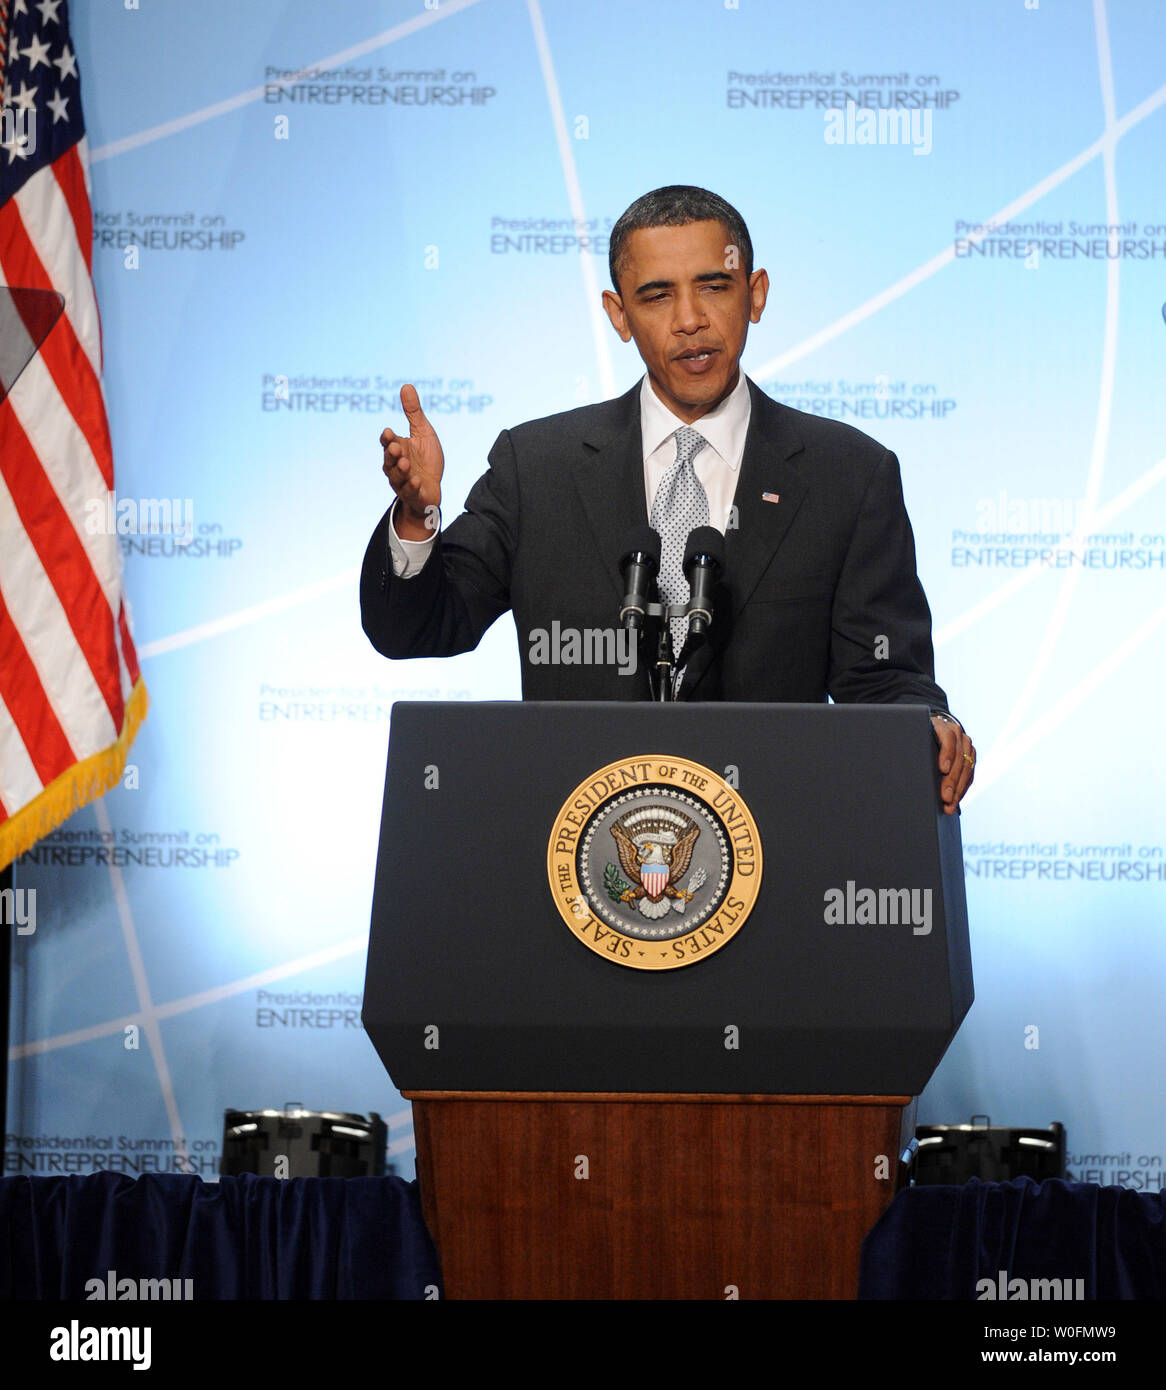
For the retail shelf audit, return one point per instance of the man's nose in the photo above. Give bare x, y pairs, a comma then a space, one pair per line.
689, 315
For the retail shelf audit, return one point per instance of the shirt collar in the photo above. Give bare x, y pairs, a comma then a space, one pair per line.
724, 427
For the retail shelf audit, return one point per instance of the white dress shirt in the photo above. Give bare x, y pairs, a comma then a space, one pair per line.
717, 465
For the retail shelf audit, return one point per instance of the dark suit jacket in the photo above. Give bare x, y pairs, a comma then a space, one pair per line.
819, 596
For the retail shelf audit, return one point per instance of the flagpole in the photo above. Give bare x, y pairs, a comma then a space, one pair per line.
6, 881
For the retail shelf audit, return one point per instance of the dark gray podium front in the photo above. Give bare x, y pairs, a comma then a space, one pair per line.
552, 1084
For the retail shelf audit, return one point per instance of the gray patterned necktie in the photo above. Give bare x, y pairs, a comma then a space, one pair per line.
680, 505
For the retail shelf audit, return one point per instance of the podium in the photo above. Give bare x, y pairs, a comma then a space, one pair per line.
662, 984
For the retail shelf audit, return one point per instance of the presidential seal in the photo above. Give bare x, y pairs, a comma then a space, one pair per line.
654, 862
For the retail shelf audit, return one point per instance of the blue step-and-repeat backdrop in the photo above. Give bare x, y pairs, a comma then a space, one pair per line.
299, 206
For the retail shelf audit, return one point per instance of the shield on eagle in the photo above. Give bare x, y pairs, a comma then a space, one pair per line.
654, 877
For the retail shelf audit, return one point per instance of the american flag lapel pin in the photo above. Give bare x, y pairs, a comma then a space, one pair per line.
771, 496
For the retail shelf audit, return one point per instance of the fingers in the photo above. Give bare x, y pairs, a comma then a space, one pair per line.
957, 761
948, 736
396, 466
393, 445
965, 767
407, 482
411, 405
409, 490
951, 763
414, 463
396, 445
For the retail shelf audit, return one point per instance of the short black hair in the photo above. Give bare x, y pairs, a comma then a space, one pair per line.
676, 205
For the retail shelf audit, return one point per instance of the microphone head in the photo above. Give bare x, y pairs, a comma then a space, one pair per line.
642, 545
707, 543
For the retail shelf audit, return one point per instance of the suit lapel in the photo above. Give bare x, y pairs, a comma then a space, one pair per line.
761, 524
610, 483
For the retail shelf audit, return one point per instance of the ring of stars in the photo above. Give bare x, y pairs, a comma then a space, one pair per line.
596, 898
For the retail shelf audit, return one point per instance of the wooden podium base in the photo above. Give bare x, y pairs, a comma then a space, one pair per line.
614, 1196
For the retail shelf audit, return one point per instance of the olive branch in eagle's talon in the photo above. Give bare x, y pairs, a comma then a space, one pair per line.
616, 886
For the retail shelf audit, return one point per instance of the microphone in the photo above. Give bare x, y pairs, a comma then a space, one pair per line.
704, 559
639, 567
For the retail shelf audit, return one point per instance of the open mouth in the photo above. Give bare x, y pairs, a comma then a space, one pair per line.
697, 360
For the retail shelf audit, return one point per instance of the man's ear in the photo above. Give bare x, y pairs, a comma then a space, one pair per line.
758, 293
614, 306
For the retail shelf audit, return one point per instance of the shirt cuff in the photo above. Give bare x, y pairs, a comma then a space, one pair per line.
409, 557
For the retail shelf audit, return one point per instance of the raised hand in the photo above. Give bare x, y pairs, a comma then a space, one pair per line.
414, 466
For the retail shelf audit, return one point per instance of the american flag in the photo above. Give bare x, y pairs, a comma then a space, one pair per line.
71, 693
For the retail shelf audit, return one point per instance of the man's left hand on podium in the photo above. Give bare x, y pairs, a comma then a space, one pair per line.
957, 760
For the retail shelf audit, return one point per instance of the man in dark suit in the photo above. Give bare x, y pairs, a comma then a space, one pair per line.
819, 595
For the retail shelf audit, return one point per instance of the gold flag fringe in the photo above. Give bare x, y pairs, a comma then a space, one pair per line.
75, 787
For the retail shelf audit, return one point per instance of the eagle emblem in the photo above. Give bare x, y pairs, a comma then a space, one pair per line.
655, 847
